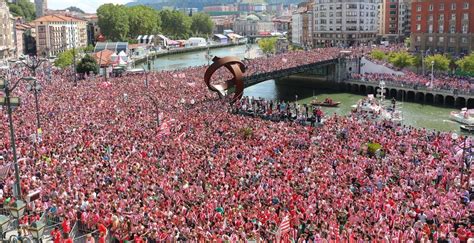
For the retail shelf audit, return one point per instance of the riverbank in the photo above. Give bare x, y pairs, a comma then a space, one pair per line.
163, 53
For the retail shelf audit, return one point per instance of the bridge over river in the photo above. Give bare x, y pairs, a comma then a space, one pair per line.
337, 70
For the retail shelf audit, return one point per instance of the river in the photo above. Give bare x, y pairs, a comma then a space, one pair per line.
414, 114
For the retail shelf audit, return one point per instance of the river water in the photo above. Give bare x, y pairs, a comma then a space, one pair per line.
414, 114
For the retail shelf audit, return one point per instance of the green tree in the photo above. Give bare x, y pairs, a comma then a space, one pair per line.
143, 20
75, 9
201, 24
466, 63
64, 59
175, 24
267, 45
377, 54
87, 64
113, 21
441, 63
23, 8
401, 59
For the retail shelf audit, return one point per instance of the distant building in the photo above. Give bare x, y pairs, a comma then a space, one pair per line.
220, 8
252, 25
348, 23
282, 23
302, 26
57, 33
395, 20
442, 26
222, 23
93, 29
41, 7
7, 43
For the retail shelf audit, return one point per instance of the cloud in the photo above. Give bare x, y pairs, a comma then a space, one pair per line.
89, 6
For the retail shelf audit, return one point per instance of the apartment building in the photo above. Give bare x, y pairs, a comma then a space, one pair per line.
7, 42
395, 20
302, 25
442, 26
345, 22
57, 33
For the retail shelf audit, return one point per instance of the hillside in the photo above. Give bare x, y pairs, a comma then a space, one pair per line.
158, 4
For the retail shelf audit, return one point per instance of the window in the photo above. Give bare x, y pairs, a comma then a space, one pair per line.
465, 6
430, 28
453, 6
430, 18
453, 17
441, 17
418, 18
451, 40
418, 38
430, 39
418, 8
418, 27
430, 8
464, 40
441, 39
452, 29
465, 28
441, 28
465, 16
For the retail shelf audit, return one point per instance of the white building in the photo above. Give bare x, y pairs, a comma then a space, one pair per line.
338, 22
57, 33
7, 43
297, 28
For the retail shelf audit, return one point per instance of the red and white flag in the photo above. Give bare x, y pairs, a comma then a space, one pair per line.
283, 230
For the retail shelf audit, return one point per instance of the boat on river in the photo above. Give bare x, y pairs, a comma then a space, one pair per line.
465, 116
467, 128
326, 103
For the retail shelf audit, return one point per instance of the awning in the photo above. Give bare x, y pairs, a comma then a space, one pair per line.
222, 37
139, 37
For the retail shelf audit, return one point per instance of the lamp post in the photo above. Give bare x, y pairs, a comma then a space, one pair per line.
432, 74
11, 102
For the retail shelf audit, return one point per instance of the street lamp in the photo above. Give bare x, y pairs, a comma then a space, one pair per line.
37, 229
11, 102
432, 73
17, 209
4, 221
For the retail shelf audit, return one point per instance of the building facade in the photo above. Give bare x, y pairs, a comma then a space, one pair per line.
57, 33
302, 25
442, 26
347, 23
252, 25
41, 7
7, 42
395, 20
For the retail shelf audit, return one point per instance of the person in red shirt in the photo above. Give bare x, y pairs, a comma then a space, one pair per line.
56, 234
66, 225
67, 240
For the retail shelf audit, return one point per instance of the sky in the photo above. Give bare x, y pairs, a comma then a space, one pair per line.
89, 6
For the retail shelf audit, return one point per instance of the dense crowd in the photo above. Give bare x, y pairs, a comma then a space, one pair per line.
169, 161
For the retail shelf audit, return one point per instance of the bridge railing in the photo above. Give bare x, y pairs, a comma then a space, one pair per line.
285, 72
415, 87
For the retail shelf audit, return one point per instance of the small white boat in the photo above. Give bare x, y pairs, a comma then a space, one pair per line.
464, 116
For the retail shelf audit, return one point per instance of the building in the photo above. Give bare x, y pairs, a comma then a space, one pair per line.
7, 42
302, 25
222, 23
282, 24
41, 7
395, 20
57, 33
345, 23
442, 26
252, 25
93, 29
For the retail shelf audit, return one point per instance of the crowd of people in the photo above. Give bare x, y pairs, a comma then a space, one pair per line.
168, 160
